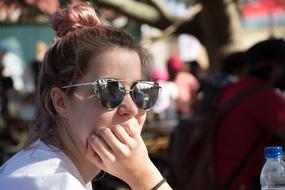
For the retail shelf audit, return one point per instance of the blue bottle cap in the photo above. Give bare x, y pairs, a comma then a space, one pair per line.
273, 152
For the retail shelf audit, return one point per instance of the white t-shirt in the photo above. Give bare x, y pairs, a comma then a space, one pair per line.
41, 167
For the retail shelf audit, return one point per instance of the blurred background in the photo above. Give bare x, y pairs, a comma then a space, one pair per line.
190, 35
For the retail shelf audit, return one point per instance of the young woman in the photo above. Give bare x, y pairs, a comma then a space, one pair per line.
93, 95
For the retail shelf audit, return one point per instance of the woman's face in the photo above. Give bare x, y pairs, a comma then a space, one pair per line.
85, 114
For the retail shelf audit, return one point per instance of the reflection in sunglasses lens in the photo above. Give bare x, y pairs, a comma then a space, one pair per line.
111, 93
145, 95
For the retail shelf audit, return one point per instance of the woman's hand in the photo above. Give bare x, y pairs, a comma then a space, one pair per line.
120, 151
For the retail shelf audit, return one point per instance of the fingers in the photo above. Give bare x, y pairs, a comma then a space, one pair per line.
94, 157
101, 149
118, 150
122, 134
118, 140
132, 130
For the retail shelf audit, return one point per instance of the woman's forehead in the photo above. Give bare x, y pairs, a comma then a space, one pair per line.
117, 63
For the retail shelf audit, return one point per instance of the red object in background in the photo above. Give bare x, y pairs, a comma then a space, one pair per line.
263, 8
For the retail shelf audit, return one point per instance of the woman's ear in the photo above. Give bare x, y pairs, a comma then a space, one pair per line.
58, 99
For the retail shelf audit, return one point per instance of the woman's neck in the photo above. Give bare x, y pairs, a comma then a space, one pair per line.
87, 169
75, 153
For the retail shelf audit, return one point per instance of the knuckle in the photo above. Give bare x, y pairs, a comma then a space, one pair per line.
97, 141
113, 159
123, 153
104, 131
116, 128
133, 146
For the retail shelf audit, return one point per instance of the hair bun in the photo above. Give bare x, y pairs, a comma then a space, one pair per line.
73, 17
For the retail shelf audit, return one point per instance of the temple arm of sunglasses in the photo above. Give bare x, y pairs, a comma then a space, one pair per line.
91, 83
81, 84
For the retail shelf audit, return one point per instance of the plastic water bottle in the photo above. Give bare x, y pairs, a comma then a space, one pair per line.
272, 175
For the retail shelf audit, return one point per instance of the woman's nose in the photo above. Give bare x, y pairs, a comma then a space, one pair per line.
128, 107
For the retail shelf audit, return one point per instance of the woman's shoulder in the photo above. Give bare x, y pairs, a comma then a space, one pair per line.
38, 167
45, 181
36, 157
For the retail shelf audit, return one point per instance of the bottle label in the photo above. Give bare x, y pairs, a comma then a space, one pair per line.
273, 188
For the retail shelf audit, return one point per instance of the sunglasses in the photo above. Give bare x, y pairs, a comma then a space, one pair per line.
110, 92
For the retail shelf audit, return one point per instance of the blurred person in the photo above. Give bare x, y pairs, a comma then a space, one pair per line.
81, 130
189, 159
245, 130
234, 66
187, 84
13, 67
195, 69
40, 50
165, 107
31, 73
6, 84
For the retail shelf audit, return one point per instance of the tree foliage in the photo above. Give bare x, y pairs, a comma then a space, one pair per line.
214, 22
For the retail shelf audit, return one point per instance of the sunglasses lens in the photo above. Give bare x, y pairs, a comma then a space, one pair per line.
109, 93
145, 94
